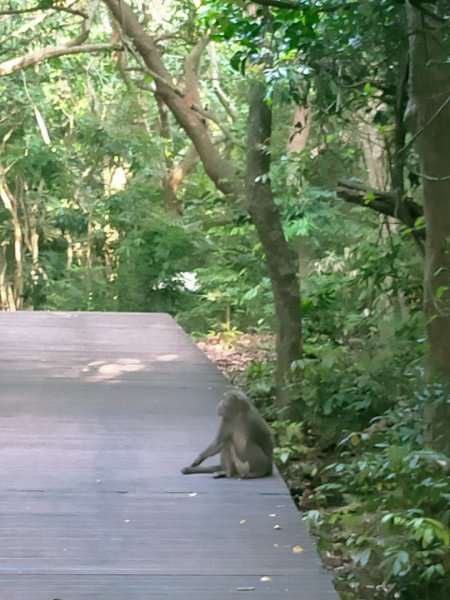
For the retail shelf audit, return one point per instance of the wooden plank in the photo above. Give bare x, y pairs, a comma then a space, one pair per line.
98, 412
143, 587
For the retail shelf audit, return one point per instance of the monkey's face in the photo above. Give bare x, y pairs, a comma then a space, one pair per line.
231, 404
224, 405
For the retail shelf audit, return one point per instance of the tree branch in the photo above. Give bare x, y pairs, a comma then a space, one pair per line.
189, 94
278, 4
442, 107
298, 5
217, 88
191, 67
211, 117
221, 172
407, 211
23, 11
22, 62
86, 25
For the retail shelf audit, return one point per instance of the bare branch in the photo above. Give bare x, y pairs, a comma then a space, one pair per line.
430, 120
223, 98
299, 5
211, 117
86, 25
191, 94
432, 178
156, 76
221, 172
278, 4
30, 24
23, 11
191, 67
70, 11
22, 62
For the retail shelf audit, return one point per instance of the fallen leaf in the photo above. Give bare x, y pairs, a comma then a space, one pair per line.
297, 549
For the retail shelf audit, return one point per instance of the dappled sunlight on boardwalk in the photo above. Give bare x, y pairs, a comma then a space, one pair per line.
98, 413
100, 370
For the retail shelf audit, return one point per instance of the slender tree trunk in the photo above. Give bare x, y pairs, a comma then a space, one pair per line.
4, 304
374, 150
69, 259
18, 273
300, 129
265, 215
30, 233
89, 241
10, 202
429, 108
34, 241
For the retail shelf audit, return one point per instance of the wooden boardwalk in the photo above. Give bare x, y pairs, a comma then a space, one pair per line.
98, 413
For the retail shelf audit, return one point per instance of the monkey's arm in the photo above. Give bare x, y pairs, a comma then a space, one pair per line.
214, 448
213, 469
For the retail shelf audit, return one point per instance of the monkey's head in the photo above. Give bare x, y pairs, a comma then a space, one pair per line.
232, 403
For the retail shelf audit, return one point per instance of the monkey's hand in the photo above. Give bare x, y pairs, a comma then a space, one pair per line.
197, 461
191, 467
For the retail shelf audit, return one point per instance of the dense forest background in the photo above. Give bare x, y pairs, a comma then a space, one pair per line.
276, 175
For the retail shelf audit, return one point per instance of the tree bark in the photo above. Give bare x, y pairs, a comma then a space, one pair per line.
429, 111
300, 129
182, 105
172, 181
265, 215
263, 210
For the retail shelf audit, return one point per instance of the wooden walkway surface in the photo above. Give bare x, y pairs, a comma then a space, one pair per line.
98, 413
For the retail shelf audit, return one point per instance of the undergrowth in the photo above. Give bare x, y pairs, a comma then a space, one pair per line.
357, 462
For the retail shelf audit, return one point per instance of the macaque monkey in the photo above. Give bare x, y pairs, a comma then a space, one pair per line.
244, 441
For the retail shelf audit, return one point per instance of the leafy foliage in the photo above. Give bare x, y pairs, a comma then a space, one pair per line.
387, 509
86, 155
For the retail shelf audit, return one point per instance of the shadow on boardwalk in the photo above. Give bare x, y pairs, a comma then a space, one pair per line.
98, 412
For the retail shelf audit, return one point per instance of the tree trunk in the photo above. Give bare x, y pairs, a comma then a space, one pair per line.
265, 215
4, 303
429, 109
10, 203
69, 260
184, 106
300, 129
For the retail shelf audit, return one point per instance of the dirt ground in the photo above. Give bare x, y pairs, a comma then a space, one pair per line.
233, 356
